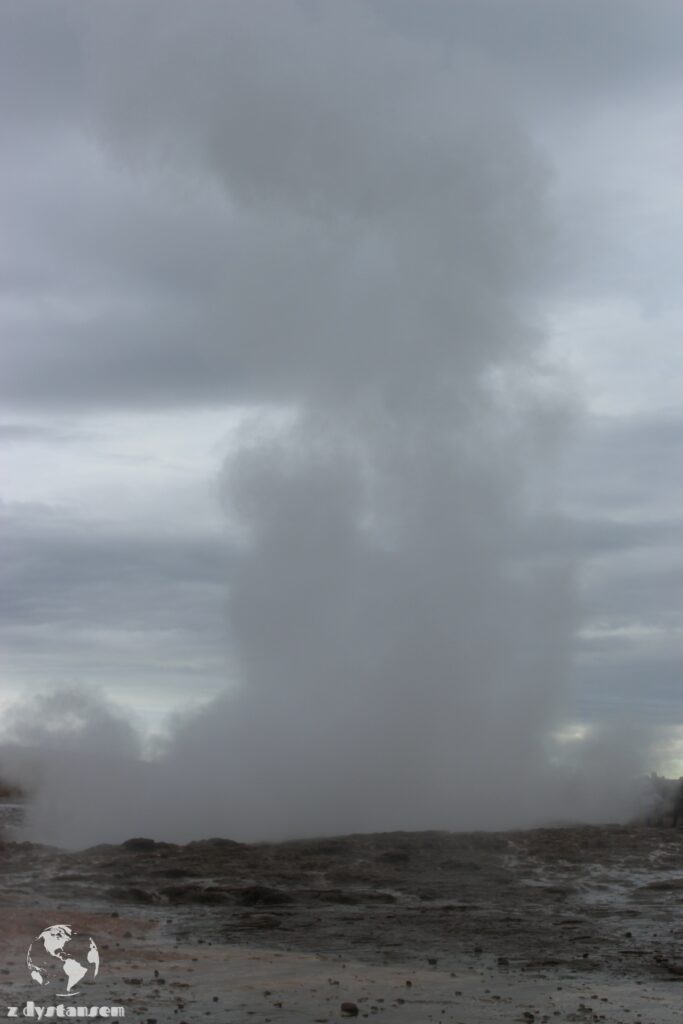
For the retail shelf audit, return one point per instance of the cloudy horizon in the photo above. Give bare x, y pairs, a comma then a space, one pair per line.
341, 392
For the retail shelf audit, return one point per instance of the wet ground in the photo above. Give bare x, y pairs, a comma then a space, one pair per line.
567, 924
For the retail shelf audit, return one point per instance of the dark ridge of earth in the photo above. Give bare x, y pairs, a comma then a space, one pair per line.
577, 904
583, 897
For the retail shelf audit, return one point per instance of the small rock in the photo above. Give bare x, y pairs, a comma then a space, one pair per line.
349, 1009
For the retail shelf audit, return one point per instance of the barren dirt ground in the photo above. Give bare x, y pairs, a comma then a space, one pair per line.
568, 924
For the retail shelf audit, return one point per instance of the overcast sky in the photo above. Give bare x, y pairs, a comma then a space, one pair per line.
241, 234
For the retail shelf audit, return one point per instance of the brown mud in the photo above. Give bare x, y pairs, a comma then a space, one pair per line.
552, 924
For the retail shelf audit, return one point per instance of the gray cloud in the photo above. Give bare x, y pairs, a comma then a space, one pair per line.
581, 53
75, 572
585, 538
41, 80
326, 209
627, 465
191, 240
22, 433
83, 603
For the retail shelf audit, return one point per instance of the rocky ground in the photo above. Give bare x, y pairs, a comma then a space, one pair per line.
568, 924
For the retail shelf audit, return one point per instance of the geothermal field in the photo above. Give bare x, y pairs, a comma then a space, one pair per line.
340, 420
569, 924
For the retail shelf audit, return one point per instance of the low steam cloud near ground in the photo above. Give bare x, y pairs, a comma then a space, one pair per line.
232, 768
402, 602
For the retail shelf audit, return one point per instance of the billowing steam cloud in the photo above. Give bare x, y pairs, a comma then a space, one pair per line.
403, 649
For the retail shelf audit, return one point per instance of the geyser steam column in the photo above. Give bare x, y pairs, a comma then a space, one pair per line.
400, 653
